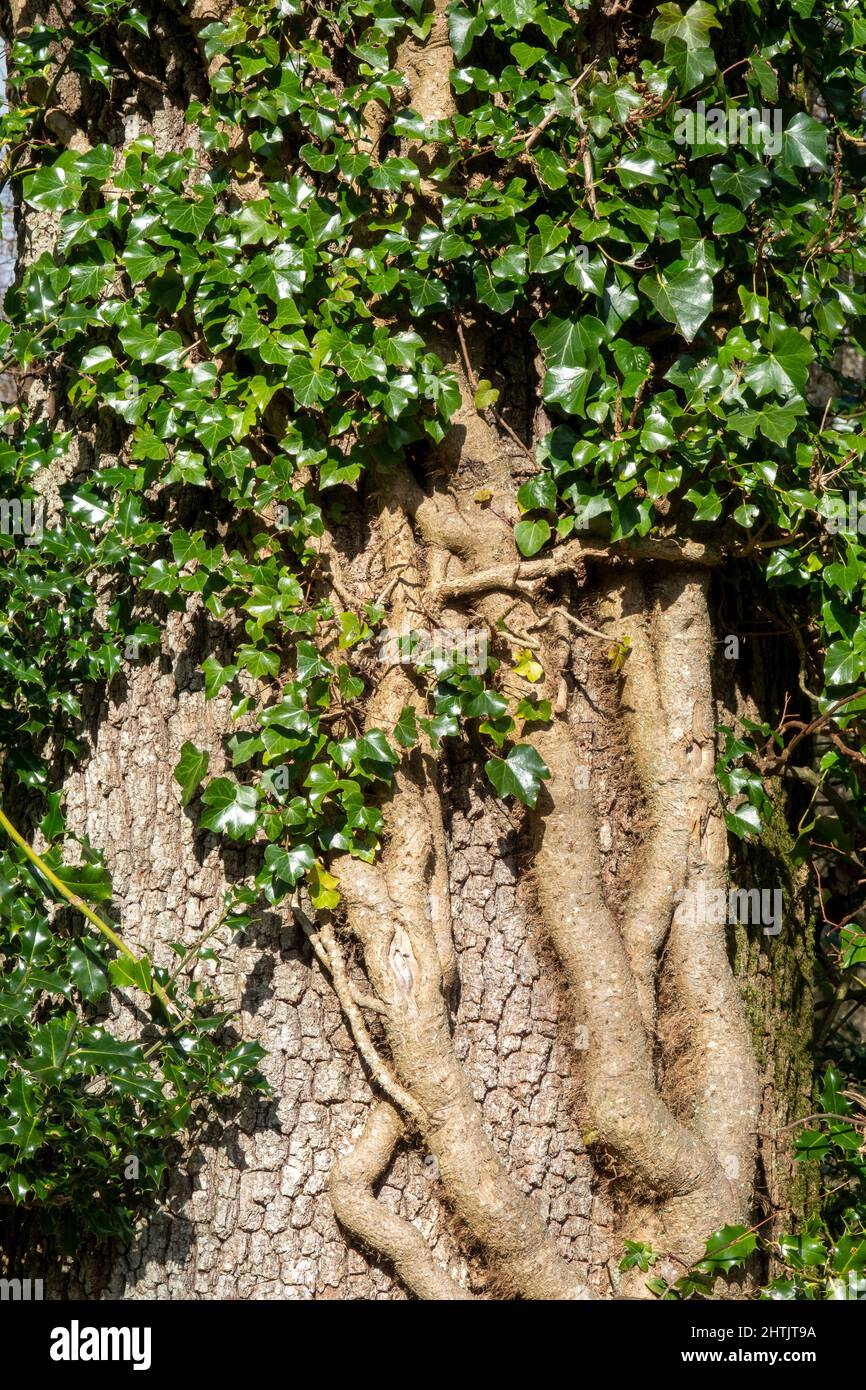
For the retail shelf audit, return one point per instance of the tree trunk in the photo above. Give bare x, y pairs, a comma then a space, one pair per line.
592, 1077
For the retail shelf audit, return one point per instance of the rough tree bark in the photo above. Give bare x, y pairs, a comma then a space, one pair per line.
558, 1062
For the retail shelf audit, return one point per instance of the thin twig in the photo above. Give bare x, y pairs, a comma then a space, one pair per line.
538, 130
327, 951
584, 627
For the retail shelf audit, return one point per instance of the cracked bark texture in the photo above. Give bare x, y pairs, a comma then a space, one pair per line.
247, 1212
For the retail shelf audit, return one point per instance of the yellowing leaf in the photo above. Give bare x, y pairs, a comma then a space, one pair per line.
618, 652
486, 395
527, 667
324, 890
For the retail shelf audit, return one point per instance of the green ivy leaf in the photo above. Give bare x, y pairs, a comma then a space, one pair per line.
190, 771
745, 820
785, 368
691, 65
216, 676
745, 183
486, 395
406, 728
539, 492
530, 536
308, 383
230, 808
681, 295
694, 27
288, 866
520, 774
463, 29
804, 143
188, 215
54, 188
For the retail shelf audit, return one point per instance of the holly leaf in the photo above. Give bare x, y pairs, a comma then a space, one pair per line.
802, 1251
726, 1248
87, 970
92, 882
137, 973
101, 1052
